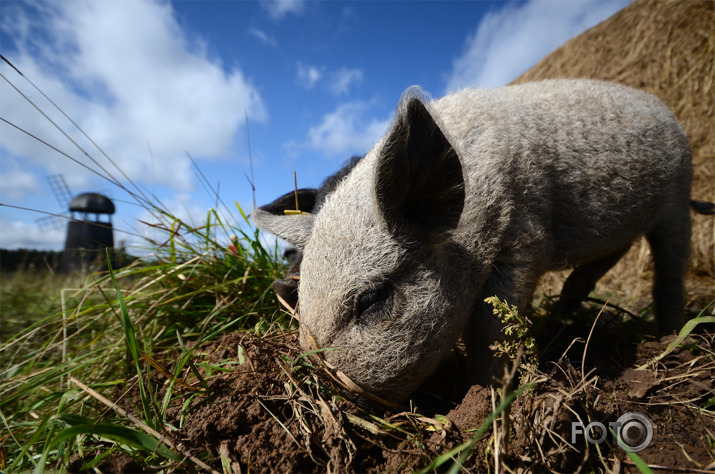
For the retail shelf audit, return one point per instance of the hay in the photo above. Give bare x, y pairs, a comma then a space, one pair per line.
665, 47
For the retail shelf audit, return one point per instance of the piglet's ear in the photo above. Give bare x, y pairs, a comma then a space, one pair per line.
306, 201
419, 183
296, 229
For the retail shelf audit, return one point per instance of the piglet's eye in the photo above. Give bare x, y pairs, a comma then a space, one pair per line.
372, 301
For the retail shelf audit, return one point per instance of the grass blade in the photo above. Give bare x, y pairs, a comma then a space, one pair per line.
117, 434
131, 339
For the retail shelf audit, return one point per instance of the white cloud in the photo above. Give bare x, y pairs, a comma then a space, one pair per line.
262, 36
24, 235
345, 78
277, 9
15, 182
340, 81
509, 41
348, 130
132, 79
308, 76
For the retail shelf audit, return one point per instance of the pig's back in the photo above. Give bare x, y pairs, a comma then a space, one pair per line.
581, 164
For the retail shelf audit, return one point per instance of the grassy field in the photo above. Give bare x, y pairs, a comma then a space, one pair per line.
106, 330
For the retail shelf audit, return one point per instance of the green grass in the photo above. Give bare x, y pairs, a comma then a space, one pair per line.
107, 336
28, 297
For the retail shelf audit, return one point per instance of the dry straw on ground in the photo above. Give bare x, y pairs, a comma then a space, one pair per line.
666, 47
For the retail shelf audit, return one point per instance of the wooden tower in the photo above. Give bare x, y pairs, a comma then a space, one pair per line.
89, 234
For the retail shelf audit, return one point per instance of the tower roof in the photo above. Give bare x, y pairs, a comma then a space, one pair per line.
92, 202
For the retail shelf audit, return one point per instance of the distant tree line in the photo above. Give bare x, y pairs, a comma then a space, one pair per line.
41, 260
28, 259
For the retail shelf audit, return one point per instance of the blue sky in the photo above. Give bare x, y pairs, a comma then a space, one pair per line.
151, 81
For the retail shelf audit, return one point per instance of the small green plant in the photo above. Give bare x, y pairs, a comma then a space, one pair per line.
517, 330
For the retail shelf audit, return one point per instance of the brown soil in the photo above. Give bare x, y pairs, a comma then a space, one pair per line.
272, 413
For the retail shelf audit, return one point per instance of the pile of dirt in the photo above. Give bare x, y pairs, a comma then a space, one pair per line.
665, 47
240, 421
273, 413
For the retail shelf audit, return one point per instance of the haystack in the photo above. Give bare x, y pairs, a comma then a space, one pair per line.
665, 47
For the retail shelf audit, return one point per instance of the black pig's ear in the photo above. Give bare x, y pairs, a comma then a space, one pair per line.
419, 183
306, 202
